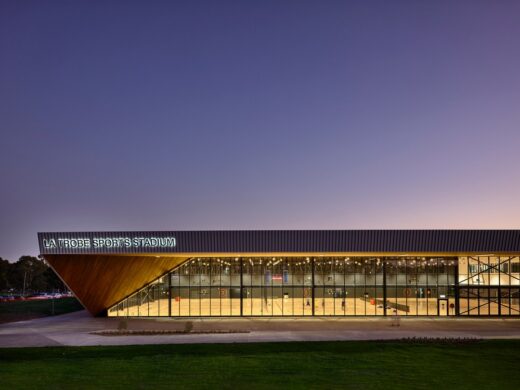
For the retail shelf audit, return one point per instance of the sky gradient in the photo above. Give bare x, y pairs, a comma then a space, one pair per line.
257, 115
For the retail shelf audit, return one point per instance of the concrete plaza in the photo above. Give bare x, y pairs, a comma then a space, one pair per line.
75, 329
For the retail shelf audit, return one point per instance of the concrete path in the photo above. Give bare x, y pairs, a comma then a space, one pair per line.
75, 329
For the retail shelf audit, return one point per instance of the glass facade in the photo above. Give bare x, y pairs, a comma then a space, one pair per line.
489, 285
331, 286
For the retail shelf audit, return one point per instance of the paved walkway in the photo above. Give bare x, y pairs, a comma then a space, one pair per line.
75, 329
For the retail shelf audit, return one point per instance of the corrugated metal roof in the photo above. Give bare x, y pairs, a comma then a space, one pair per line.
297, 241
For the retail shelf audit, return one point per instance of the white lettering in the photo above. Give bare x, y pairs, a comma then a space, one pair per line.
110, 242
49, 243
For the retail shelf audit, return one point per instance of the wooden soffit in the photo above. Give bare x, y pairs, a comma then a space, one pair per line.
100, 281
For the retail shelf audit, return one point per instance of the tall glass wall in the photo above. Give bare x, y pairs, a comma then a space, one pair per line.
151, 301
300, 286
277, 286
489, 285
421, 286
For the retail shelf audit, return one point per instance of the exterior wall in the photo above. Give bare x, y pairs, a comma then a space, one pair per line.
330, 286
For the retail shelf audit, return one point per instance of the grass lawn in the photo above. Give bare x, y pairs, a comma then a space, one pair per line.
25, 310
324, 365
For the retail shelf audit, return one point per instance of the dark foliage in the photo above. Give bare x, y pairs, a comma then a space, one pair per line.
28, 275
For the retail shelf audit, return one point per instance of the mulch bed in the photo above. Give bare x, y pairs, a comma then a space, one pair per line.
160, 332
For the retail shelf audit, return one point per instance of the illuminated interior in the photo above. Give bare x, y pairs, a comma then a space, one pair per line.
483, 285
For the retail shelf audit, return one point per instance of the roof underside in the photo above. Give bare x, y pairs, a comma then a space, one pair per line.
100, 281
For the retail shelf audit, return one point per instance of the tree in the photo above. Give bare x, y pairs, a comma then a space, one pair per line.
5, 269
29, 274
53, 281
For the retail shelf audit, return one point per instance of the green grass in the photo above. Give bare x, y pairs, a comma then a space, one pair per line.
323, 365
22, 310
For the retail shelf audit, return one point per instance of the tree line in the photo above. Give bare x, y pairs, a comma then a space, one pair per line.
27, 276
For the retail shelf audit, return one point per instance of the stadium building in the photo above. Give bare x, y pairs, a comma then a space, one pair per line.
296, 273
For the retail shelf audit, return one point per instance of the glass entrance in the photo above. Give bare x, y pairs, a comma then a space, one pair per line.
443, 307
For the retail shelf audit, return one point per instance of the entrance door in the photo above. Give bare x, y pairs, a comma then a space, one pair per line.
442, 307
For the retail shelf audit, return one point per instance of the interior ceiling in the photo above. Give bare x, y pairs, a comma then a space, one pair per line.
100, 281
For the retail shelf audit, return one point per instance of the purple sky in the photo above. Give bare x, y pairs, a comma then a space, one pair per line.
257, 115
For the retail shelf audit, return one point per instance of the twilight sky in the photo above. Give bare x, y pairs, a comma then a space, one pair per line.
160, 115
